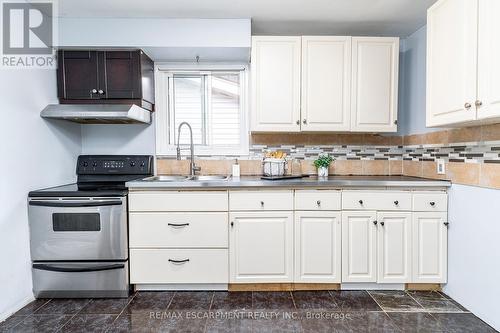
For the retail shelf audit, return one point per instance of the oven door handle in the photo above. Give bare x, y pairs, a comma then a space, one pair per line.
75, 204
54, 268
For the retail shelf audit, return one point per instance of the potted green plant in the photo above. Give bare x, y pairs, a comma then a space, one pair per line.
322, 163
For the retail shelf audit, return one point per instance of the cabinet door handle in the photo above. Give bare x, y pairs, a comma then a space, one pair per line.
101, 92
446, 224
262, 203
375, 222
396, 202
304, 121
467, 106
360, 202
382, 223
178, 225
318, 203
178, 261
232, 224
432, 203
479, 103
298, 122
93, 91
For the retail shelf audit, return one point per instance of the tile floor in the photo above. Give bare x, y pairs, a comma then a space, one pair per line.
299, 311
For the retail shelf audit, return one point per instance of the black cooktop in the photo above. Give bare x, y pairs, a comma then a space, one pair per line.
72, 190
102, 176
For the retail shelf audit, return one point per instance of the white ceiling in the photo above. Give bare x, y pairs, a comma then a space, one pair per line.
340, 17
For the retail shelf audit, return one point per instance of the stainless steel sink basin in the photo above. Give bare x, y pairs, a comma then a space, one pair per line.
166, 178
208, 178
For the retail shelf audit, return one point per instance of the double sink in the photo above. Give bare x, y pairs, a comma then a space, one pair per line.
196, 178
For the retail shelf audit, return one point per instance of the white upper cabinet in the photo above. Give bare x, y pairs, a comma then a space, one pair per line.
463, 72
326, 77
488, 100
374, 94
276, 84
451, 62
324, 84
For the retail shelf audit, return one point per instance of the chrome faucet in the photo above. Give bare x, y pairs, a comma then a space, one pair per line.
192, 166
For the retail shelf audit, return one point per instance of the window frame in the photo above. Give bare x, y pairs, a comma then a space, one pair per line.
163, 102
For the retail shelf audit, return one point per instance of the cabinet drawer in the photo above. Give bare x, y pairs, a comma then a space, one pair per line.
261, 200
168, 201
376, 200
317, 200
179, 266
430, 202
178, 230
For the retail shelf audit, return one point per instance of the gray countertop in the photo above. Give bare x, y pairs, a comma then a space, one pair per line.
307, 182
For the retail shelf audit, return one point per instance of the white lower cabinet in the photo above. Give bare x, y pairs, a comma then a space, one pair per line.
394, 247
261, 247
318, 247
430, 239
359, 246
178, 266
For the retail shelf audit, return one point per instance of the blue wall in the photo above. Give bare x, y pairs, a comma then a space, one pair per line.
412, 84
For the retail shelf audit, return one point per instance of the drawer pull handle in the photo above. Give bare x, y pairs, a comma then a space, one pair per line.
178, 261
262, 203
318, 203
432, 203
360, 202
375, 222
180, 225
396, 202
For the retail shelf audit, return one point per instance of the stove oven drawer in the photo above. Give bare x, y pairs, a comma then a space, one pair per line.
80, 279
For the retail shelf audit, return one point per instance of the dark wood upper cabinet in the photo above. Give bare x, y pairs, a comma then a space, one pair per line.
114, 76
78, 75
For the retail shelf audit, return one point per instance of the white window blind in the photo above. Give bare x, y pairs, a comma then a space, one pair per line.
210, 103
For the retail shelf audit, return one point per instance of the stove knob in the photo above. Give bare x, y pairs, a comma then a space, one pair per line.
143, 164
85, 164
94, 164
132, 164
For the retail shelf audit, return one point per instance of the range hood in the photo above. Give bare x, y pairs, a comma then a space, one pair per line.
98, 113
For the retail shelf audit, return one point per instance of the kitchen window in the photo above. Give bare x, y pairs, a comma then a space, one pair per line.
212, 101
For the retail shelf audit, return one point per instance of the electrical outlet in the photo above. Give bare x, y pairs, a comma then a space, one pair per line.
441, 167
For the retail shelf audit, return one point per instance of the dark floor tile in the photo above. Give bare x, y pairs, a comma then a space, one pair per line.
462, 322
371, 322
415, 322
314, 300
146, 302
11, 322
460, 306
191, 300
398, 301
63, 306
354, 300
273, 300
321, 321
42, 323
277, 325
88, 323
229, 325
106, 306
135, 323
232, 301
434, 302
32, 307
143, 323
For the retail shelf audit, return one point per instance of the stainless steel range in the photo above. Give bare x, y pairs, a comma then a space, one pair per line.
79, 232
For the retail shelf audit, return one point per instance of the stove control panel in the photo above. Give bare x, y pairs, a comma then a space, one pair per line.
114, 164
